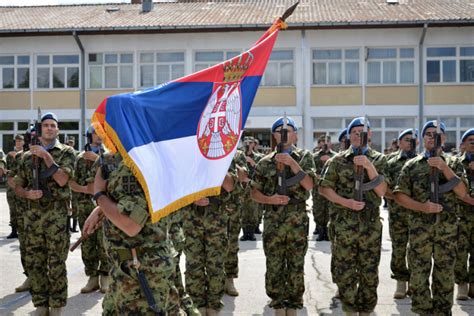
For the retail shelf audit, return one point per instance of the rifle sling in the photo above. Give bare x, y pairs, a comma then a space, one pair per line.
372, 184
49, 172
448, 186
295, 179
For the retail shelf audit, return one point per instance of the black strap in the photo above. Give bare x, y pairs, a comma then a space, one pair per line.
148, 294
295, 179
372, 184
448, 186
214, 200
49, 172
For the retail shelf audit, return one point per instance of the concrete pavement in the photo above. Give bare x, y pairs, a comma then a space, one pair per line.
252, 300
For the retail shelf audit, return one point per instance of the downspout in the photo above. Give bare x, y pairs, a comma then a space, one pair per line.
307, 122
421, 86
82, 98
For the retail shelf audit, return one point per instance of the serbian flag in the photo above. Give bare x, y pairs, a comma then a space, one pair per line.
179, 138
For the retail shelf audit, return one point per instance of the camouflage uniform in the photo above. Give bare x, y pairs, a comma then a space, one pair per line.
430, 241
357, 238
205, 229
154, 251
465, 248
398, 221
11, 197
320, 204
250, 209
47, 237
92, 248
285, 234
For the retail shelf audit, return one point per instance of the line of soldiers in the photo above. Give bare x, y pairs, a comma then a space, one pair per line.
136, 263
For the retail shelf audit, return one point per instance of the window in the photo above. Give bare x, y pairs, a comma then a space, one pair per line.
110, 70
466, 64
203, 60
157, 68
450, 64
391, 66
57, 71
335, 66
15, 72
280, 69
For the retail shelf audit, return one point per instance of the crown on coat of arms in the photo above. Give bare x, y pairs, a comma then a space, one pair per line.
235, 68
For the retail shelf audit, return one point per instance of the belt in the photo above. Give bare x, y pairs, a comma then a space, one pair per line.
126, 254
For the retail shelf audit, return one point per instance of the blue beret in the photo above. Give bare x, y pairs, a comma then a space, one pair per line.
468, 133
358, 121
279, 122
49, 116
342, 134
408, 131
432, 124
90, 130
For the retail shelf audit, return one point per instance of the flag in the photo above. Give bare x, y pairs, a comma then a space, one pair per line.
179, 138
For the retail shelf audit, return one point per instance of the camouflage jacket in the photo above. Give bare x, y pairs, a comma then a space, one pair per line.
124, 189
12, 166
319, 164
414, 181
339, 175
460, 166
82, 168
266, 180
394, 166
63, 155
256, 157
233, 199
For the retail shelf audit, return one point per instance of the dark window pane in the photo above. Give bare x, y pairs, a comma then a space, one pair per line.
42, 79
23, 126
466, 69
58, 77
209, 56
467, 121
111, 58
126, 58
7, 60
328, 54
352, 54
8, 78
230, 55
23, 60
95, 59
441, 51
73, 77
449, 70
169, 57
42, 60
382, 53
433, 71
282, 55
69, 126
407, 52
6, 126
467, 51
65, 59
23, 78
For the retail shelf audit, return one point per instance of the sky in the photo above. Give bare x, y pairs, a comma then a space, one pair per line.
54, 2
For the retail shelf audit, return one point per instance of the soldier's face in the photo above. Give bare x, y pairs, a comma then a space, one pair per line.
292, 136
96, 140
429, 138
355, 135
19, 143
405, 143
469, 144
49, 130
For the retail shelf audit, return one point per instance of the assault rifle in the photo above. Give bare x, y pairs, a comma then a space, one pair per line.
434, 172
325, 146
412, 152
359, 172
34, 140
281, 172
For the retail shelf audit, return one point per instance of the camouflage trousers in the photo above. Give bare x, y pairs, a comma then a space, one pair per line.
398, 224
432, 244
320, 210
125, 296
93, 252
47, 242
464, 267
356, 246
285, 242
250, 218
11, 199
21, 207
205, 229
233, 231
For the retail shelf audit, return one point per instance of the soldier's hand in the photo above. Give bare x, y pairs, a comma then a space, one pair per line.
99, 183
38, 151
278, 199
90, 155
432, 208
355, 205
12, 153
285, 159
362, 161
471, 165
250, 161
242, 175
33, 194
202, 202
92, 221
437, 162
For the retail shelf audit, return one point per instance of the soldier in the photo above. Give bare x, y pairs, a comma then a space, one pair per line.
357, 228
205, 230
73, 211
320, 204
463, 165
398, 219
93, 254
343, 141
433, 234
141, 254
47, 237
250, 209
11, 197
285, 233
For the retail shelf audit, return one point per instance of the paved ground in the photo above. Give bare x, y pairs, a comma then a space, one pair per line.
252, 300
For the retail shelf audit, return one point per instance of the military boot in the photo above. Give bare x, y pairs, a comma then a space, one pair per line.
203, 311
471, 289
24, 287
245, 236
280, 312
41, 311
92, 285
13, 234
401, 290
291, 312
212, 312
322, 234
56, 311
229, 287
462, 292
104, 281
251, 235
257, 230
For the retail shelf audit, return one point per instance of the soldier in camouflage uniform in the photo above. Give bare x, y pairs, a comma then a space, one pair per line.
285, 233
233, 206
75, 196
45, 220
357, 228
205, 229
250, 209
463, 165
134, 245
93, 254
398, 219
320, 204
11, 197
430, 239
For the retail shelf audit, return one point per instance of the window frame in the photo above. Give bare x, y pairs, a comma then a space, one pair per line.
212, 63
457, 58
155, 64
117, 64
343, 62
51, 66
15, 67
279, 62
397, 60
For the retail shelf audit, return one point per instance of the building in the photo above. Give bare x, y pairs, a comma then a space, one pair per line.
394, 60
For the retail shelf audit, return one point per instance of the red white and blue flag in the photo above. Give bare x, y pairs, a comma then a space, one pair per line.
179, 138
